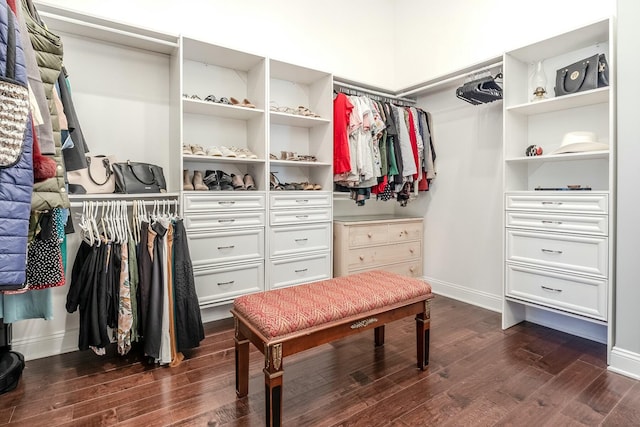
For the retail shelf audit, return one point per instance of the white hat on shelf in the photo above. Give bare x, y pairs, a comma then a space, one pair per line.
578, 142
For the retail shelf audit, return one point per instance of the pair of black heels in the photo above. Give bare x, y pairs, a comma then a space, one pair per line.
217, 180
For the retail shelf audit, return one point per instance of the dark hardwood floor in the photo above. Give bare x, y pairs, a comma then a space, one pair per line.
479, 375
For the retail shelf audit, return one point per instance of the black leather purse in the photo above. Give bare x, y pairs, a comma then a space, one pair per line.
590, 73
135, 177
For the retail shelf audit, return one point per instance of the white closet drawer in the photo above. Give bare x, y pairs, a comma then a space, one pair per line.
216, 286
224, 220
223, 200
293, 240
582, 224
294, 271
580, 295
368, 234
580, 254
402, 232
593, 203
299, 199
370, 257
300, 217
215, 247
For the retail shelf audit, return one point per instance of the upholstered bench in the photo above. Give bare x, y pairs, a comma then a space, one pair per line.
285, 321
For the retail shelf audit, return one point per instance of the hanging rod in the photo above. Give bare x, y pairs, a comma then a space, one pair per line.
170, 197
373, 92
443, 82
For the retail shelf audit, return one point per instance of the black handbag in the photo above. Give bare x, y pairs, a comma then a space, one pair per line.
134, 177
590, 73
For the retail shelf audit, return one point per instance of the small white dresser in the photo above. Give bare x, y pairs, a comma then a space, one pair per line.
384, 242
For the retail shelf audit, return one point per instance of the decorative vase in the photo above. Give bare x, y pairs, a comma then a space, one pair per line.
539, 83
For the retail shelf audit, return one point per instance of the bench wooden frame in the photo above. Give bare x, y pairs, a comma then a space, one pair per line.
276, 348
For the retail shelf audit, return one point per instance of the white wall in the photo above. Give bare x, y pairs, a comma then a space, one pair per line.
332, 35
626, 352
463, 209
435, 38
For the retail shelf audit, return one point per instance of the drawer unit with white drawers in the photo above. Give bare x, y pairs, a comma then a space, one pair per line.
299, 237
557, 251
226, 234
383, 242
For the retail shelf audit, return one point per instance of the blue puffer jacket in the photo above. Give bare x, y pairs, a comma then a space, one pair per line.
16, 183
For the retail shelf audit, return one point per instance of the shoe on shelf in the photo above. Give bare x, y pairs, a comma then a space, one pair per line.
211, 180
211, 98
273, 157
307, 186
187, 184
239, 153
317, 187
186, 149
198, 150
237, 182
226, 152
249, 184
214, 151
234, 101
198, 183
223, 178
247, 103
274, 183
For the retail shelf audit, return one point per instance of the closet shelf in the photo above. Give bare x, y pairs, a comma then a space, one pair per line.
77, 198
580, 99
296, 120
294, 163
195, 106
218, 159
590, 155
99, 29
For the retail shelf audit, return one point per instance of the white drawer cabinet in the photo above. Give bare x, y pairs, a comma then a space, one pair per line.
575, 294
226, 234
578, 254
296, 240
294, 271
220, 285
291, 216
378, 242
299, 199
557, 251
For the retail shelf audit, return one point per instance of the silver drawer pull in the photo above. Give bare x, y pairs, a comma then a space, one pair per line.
546, 288
226, 247
226, 202
301, 240
552, 203
302, 201
226, 220
226, 283
552, 222
301, 271
302, 216
551, 251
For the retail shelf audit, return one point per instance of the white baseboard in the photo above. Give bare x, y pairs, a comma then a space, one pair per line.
625, 362
481, 299
49, 345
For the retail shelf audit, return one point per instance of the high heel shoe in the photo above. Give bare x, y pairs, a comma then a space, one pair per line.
237, 182
249, 184
274, 184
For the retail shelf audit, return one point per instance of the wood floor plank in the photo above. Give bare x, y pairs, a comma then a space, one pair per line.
627, 411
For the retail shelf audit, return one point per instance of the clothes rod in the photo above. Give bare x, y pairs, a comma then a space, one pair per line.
448, 80
129, 202
373, 92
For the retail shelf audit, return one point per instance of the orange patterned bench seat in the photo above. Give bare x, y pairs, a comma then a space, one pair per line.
285, 321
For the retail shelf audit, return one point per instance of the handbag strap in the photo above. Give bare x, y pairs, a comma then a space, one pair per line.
10, 71
107, 167
138, 178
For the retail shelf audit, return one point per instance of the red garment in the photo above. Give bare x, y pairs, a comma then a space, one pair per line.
414, 143
12, 5
341, 111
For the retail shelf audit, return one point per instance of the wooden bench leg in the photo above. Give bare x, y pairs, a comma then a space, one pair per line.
379, 335
242, 363
273, 373
423, 323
